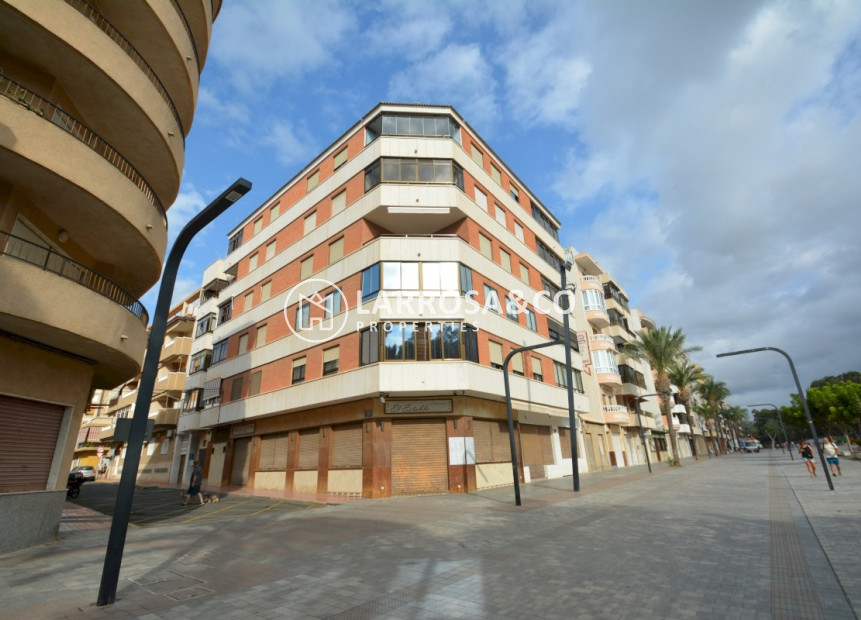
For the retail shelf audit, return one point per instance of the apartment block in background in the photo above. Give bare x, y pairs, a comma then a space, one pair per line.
96, 101
352, 338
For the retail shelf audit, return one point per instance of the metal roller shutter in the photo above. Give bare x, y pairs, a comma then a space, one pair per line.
347, 447
27, 443
273, 453
419, 457
491, 441
241, 455
536, 445
565, 442
309, 449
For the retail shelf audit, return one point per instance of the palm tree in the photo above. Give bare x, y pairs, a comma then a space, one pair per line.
685, 376
713, 393
661, 347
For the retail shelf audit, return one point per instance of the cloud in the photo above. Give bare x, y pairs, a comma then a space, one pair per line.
188, 203
292, 146
409, 29
457, 75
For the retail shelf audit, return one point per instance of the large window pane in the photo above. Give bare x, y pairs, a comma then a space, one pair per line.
409, 341
448, 276
394, 342
451, 340
410, 276
370, 282
435, 337
430, 276
389, 124
391, 276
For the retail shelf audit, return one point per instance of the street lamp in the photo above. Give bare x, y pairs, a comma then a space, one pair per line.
800, 395
126, 490
640, 424
780, 418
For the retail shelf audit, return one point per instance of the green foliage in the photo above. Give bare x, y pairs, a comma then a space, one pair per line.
853, 376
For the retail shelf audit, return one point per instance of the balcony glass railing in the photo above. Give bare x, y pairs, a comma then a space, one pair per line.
68, 123
49, 260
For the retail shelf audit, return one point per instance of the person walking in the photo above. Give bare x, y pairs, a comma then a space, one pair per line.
194, 485
831, 454
806, 453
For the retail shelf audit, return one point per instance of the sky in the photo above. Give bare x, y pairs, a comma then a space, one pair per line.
706, 154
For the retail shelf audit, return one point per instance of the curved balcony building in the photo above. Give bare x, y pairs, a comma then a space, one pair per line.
96, 98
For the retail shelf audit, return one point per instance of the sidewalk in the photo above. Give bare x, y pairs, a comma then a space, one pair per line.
744, 536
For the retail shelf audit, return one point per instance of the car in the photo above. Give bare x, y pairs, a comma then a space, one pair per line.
88, 472
752, 445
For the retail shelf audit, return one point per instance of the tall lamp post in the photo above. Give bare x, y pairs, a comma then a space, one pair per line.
780, 418
640, 424
800, 395
126, 490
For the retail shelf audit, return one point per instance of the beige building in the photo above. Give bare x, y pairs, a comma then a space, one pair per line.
96, 100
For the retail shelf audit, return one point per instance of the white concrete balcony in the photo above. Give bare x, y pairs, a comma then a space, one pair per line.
615, 414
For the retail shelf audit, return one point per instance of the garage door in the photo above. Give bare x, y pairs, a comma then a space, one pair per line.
27, 443
419, 457
537, 448
241, 454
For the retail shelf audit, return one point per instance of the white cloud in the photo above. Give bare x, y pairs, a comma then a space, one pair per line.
458, 75
188, 203
291, 145
409, 29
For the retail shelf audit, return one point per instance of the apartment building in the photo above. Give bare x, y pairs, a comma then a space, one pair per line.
96, 100
352, 338
612, 428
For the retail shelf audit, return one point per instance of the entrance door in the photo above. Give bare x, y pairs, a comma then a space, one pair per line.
241, 457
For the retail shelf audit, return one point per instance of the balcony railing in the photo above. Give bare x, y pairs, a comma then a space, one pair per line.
68, 123
49, 260
85, 9
187, 31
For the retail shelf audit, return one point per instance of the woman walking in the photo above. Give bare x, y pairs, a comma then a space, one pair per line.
807, 456
831, 454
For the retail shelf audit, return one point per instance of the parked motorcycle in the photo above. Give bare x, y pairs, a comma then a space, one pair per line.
73, 486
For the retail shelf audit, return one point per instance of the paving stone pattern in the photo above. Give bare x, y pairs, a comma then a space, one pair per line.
741, 536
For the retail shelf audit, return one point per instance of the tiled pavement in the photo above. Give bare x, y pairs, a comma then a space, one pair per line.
741, 536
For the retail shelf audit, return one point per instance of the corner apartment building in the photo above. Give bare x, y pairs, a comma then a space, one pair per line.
352, 338
612, 429
96, 100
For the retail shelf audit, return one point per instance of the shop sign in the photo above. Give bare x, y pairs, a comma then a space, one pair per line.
419, 406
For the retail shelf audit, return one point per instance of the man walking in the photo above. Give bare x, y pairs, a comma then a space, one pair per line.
194, 485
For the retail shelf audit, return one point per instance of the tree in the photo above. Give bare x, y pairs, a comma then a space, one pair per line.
661, 347
713, 393
685, 376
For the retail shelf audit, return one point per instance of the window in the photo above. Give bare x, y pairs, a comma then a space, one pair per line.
413, 125
517, 364
258, 225
505, 260
494, 174
593, 300
557, 331
200, 361
369, 341
243, 344
465, 279
211, 394
225, 312
537, 372
500, 215
340, 158
481, 199
193, 400
306, 268
547, 254
400, 341
274, 212
219, 351
330, 360
313, 180
561, 376
303, 316
470, 343
551, 289
544, 221
299, 370
332, 304
261, 336
605, 362
512, 191
336, 250
512, 310
413, 170
205, 325
339, 201
254, 384
400, 276
531, 320
265, 291
524, 273
518, 232
491, 299
477, 156
371, 282
310, 222
234, 242
443, 340
439, 276
270, 251
484, 246
252, 262
236, 389
249, 301
495, 350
